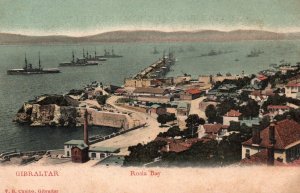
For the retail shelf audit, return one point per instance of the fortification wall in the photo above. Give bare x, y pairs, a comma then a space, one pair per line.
116, 120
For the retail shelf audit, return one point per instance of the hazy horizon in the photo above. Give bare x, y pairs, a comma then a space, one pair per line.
90, 17
91, 33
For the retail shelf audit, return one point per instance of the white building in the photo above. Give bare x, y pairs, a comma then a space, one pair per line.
72, 143
150, 92
97, 152
286, 136
292, 89
231, 115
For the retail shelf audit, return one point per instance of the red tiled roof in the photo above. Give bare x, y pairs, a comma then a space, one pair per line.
120, 90
260, 158
214, 128
233, 113
278, 107
193, 91
262, 77
178, 145
286, 132
293, 84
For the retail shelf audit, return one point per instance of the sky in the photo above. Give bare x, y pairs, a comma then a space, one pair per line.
87, 17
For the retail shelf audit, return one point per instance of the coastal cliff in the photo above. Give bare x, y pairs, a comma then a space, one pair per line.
50, 110
68, 110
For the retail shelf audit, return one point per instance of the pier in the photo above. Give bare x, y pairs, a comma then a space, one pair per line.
158, 69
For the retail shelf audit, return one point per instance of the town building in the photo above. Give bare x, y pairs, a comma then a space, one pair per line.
285, 136
70, 144
98, 152
217, 130
292, 89
277, 109
231, 115
79, 153
150, 92
190, 94
131, 82
183, 109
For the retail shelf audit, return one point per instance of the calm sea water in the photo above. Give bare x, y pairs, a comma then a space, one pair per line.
14, 90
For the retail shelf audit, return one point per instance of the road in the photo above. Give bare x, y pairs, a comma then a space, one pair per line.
141, 135
195, 107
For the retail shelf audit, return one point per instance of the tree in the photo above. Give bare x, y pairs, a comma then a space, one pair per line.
141, 154
192, 123
226, 106
102, 99
251, 109
211, 113
162, 119
172, 132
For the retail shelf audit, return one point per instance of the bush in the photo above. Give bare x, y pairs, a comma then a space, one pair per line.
102, 99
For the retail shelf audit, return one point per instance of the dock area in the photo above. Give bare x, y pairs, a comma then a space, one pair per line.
158, 69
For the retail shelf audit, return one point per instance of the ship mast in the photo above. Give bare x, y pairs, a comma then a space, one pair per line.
40, 67
83, 53
25, 62
73, 60
95, 52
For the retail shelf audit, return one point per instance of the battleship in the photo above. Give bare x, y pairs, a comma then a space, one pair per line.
28, 69
111, 54
215, 53
255, 53
79, 62
89, 57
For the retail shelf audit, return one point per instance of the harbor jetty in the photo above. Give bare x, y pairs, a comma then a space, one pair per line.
158, 69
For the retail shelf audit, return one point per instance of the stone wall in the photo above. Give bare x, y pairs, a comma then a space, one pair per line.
109, 119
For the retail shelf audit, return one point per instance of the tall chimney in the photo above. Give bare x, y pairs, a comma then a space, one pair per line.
256, 134
85, 128
272, 142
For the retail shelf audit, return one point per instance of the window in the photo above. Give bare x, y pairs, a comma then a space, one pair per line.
68, 154
93, 155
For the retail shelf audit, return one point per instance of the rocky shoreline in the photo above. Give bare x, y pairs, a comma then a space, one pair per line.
57, 110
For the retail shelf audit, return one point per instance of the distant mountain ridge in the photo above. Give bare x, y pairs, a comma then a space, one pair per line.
151, 36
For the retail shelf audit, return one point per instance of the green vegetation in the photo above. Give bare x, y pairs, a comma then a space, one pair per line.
102, 99
141, 154
192, 123
164, 118
249, 109
293, 113
172, 132
211, 113
279, 100
124, 100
